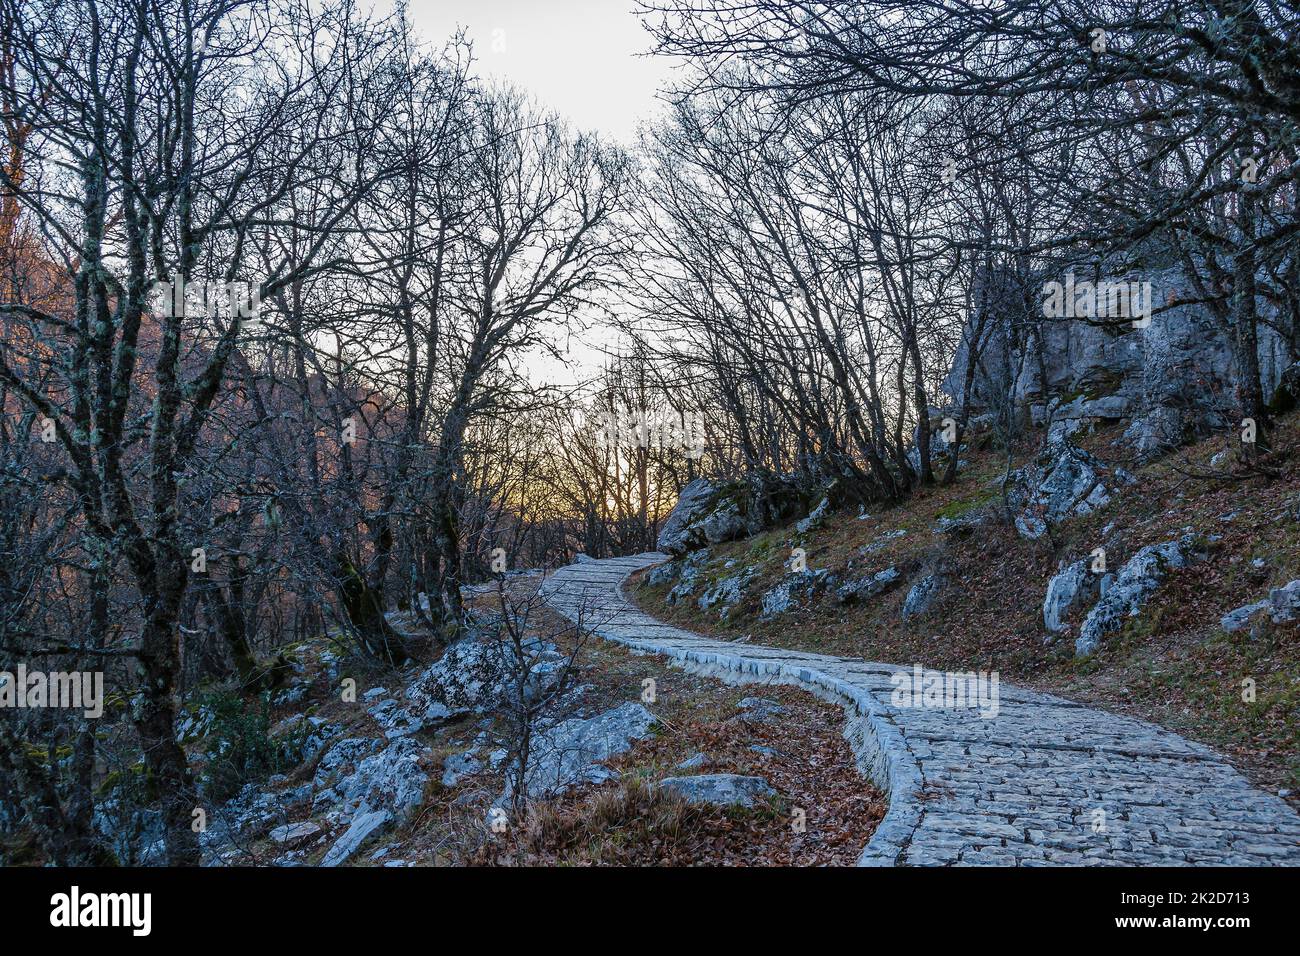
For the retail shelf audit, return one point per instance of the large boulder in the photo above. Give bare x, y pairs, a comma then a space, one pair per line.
707, 512
1136, 582
710, 511
573, 752
474, 675
1074, 586
1064, 481
924, 595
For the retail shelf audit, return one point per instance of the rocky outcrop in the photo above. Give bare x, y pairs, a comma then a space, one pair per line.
1133, 586
1074, 586
707, 512
870, 586
924, 595
1282, 605
1170, 378
473, 675
726, 594
353, 778
710, 512
720, 789
574, 751
1064, 481
797, 589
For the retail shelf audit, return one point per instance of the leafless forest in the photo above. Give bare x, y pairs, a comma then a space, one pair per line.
282, 283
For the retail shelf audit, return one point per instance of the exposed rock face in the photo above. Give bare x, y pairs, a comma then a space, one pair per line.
1170, 378
710, 512
1062, 482
873, 585
395, 720
474, 675
726, 594
923, 596
797, 589
391, 780
574, 751
1282, 605
1136, 581
1073, 587
707, 512
722, 789
363, 827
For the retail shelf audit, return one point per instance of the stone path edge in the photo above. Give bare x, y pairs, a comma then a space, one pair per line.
879, 746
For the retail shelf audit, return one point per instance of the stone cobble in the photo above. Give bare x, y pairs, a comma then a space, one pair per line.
1041, 781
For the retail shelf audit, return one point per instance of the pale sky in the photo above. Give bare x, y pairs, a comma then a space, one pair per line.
578, 57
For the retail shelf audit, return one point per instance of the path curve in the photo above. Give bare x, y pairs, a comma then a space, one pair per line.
1044, 782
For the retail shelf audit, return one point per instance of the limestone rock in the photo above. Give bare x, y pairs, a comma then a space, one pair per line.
707, 512
796, 589
873, 585
574, 751
923, 596
1284, 602
1064, 481
1238, 618
1074, 586
362, 828
390, 779
721, 789
473, 675
726, 594
459, 766
292, 835
759, 709
1136, 581
816, 518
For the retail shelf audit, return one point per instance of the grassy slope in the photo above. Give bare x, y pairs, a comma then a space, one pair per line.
1172, 665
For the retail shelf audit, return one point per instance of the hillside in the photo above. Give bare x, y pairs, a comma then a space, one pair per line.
1172, 664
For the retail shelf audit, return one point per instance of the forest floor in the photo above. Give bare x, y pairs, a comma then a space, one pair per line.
823, 813
628, 821
1173, 665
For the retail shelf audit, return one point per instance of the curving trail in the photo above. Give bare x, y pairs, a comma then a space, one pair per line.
1044, 782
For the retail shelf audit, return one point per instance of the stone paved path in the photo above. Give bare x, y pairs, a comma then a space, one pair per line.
1031, 786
